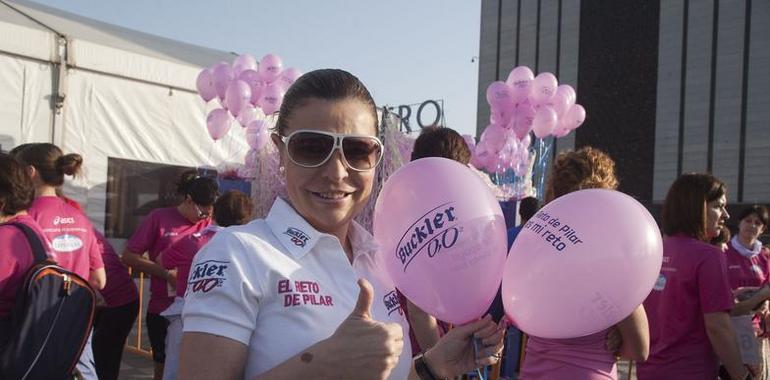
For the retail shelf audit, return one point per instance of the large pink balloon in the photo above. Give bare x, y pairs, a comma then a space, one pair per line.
205, 85
270, 68
237, 96
520, 80
499, 95
256, 134
443, 238
271, 99
288, 77
222, 74
218, 123
244, 62
583, 263
543, 88
544, 122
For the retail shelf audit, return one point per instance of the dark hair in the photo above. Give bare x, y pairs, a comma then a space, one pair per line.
233, 208
684, 210
585, 168
50, 162
437, 141
723, 237
16, 188
758, 210
527, 208
326, 84
202, 190
18, 148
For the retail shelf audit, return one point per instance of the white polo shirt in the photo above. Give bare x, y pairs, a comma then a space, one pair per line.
279, 286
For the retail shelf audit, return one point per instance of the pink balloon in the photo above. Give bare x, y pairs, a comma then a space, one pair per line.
249, 113
237, 96
218, 123
559, 102
480, 155
256, 134
525, 115
270, 68
494, 137
568, 91
205, 85
255, 83
470, 141
288, 77
543, 88
544, 122
525, 142
499, 95
223, 75
271, 99
560, 132
244, 62
520, 80
592, 255
500, 116
444, 249
574, 117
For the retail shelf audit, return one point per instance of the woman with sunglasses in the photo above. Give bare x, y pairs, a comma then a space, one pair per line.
300, 294
75, 246
159, 230
747, 272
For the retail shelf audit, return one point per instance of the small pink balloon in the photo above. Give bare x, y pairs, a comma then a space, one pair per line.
559, 102
270, 68
237, 96
544, 122
222, 74
478, 157
500, 95
574, 117
205, 85
288, 77
568, 91
525, 142
218, 123
249, 113
520, 80
244, 62
543, 88
523, 119
494, 137
271, 99
256, 134
500, 116
470, 141
255, 83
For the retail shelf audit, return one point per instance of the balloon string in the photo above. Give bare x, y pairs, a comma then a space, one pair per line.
477, 352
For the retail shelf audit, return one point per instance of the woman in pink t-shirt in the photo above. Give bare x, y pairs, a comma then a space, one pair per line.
747, 271
688, 309
159, 230
231, 209
590, 357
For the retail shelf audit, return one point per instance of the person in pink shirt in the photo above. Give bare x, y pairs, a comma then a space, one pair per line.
747, 272
69, 231
158, 231
688, 309
231, 209
590, 357
16, 195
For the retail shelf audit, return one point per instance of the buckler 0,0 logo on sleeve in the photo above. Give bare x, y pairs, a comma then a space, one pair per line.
431, 232
207, 275
298, 237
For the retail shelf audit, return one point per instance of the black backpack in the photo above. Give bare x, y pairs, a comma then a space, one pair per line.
50, 321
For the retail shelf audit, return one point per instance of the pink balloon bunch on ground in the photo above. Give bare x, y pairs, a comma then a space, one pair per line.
522, 104
247, 91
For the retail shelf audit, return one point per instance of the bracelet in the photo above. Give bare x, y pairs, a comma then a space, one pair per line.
421, 367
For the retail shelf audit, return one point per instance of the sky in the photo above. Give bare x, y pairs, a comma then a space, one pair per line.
404, 51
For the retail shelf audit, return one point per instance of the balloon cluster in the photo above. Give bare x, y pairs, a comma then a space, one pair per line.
247, 91
522, 104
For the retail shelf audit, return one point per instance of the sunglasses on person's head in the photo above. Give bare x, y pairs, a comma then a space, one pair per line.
201, 214
311, 149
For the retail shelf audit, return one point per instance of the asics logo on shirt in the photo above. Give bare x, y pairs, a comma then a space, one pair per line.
298, 237
63, 220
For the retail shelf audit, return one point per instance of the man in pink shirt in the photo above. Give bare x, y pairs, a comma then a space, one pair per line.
159, 230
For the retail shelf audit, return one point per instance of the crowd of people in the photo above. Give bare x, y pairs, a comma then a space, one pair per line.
300, 293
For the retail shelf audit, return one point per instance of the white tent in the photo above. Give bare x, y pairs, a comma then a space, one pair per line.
105, 92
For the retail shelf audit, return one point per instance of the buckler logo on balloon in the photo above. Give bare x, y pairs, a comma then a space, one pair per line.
392, 302
298, 237
433, 231
207, 275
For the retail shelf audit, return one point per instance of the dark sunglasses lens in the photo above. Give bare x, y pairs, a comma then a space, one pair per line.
361, 153
307, 148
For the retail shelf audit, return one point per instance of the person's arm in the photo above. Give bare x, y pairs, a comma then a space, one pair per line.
98, 278
635, 332
138, 262
424, 326
722, 337
747, 306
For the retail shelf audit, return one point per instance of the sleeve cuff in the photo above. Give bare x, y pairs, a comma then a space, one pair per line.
214, 327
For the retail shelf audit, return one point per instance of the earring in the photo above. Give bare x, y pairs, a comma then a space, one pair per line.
282, 170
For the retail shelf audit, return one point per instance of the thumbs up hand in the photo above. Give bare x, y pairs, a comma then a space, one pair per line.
363, 348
